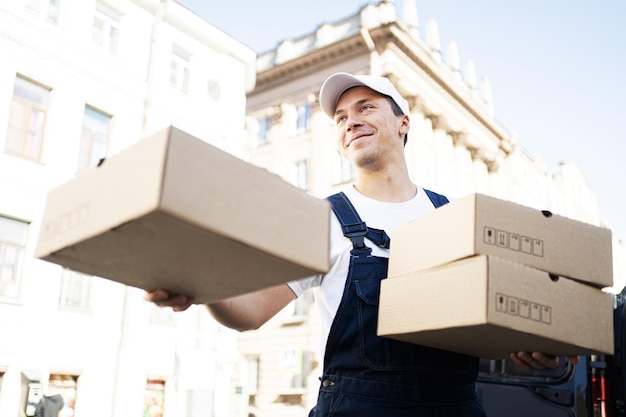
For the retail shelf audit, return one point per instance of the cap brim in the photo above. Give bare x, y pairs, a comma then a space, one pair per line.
332, 89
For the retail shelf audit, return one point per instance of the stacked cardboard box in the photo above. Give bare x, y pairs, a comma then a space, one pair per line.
176, 213
487, 277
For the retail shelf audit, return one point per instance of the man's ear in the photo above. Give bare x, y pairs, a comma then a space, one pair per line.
405, 126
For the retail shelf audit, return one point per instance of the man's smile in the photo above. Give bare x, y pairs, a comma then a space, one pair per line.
357, 136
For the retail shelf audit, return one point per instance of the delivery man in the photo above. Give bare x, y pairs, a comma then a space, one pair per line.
363, 374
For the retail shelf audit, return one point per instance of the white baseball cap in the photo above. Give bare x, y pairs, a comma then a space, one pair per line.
338, 83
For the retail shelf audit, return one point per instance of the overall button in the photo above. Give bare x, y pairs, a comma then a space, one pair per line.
327, 383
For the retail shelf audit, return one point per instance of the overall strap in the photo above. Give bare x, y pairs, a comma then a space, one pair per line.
352, 226
438, 200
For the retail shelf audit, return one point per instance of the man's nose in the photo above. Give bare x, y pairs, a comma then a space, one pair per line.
353, 121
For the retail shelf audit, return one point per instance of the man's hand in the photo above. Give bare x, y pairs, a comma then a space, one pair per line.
164, 298
538, 360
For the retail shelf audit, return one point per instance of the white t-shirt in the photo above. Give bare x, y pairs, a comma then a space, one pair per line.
376, 214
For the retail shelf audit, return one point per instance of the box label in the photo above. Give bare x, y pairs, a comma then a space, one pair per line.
523, 308
69, 219
513, 241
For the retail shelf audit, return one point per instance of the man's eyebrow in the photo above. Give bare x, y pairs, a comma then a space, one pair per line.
358, 103
339, 112
364, 100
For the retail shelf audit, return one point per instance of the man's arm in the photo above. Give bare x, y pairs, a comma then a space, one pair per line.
245, 312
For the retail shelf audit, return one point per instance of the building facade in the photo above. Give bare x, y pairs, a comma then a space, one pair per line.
80, 81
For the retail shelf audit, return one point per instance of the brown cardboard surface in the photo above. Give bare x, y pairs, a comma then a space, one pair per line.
175, 212
489, 307
479, 224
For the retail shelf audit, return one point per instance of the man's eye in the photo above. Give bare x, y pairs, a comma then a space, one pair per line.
366, 107
340, 119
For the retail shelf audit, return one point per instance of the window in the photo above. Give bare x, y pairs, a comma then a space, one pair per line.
264, 125
154, 398
341, 170
94, 139
179, 69
106, 27
253, 373
252, 382
301, 174
13, 235
304, 113
65, 386
75, 289
47, 9
291, 360
297, 364
27, 119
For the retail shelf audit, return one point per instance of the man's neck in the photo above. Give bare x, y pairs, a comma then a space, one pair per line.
388, 188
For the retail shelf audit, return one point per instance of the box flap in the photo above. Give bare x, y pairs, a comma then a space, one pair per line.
125, 186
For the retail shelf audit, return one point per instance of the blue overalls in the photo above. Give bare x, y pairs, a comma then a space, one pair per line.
370, 376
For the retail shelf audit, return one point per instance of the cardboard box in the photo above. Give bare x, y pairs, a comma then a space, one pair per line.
479, 224
174, 212
489, 307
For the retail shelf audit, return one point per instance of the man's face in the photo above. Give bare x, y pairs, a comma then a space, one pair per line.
368, 133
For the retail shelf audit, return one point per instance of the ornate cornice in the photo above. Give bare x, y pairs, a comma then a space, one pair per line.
391, 36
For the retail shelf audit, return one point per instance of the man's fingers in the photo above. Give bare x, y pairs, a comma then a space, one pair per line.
517, 361
525, 360
574, 360
545, 361
163, 298
180, 302
156, 296
536, 360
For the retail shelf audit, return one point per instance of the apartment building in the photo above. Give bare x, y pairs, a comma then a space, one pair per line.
81, 80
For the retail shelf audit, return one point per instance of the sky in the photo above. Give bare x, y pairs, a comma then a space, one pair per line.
557, 70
